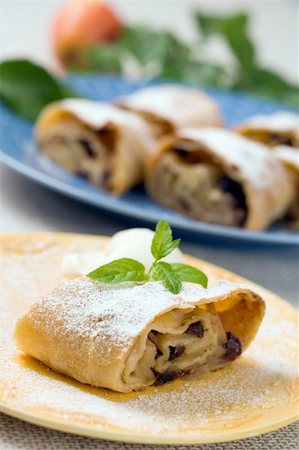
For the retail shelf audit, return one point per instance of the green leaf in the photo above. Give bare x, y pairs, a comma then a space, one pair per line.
267, 83
234, 30
190, 273
124, 269
105, 58
145, 45
163, 271
26, 87
162, 243
248, 75
270, 83
205, 73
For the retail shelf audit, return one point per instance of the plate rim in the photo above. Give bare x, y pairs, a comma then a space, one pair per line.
119, 436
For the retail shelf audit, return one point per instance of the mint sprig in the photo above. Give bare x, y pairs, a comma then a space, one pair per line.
162, 271
163, 244
171, 275
190, 273
124, 269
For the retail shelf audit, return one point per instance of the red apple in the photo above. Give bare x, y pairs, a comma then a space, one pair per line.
80, 24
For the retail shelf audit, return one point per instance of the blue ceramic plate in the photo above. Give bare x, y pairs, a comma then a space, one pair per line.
19, 152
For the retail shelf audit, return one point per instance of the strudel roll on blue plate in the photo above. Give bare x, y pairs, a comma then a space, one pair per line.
217, 176
168, 107
97, 141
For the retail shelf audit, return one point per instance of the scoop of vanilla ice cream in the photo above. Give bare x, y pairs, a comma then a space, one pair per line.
76, 264
134, 243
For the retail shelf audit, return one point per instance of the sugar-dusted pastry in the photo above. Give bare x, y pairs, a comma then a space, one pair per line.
130, 336
168, 107
290, 158
97, 141
280, 128
217, 176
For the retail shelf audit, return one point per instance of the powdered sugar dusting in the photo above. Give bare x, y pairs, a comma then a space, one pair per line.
252, 160
99, 114
179, 105
114, 313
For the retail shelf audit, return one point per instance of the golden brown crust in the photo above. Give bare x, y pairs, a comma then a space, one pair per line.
93, 332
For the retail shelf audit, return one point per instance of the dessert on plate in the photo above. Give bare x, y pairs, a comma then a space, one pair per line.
125, 329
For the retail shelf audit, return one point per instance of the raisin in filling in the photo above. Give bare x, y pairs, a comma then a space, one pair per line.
237, 193
159, 353
175, 352
237, 200
171, 375
89, 150
233, 347
166, 377
196, 329
182, 152
280, 139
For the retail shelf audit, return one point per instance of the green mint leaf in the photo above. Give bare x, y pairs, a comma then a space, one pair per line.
190, 273
124, 269
27, 87
163, 271
162, 244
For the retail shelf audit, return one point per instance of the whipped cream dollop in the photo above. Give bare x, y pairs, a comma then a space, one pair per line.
134, 243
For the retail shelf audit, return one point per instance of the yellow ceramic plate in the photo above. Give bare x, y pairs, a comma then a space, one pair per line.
256, 394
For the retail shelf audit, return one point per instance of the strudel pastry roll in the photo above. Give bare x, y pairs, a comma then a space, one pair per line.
281, 128
217, 176
168, 107
97, 141
290, 158
130, 336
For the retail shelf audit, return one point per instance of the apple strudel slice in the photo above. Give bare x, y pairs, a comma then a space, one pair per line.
130, 336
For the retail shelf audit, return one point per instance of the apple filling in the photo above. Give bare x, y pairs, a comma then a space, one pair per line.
196, 346
198, 188
82, 151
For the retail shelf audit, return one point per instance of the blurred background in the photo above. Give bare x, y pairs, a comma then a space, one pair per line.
26, 26
248, 45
